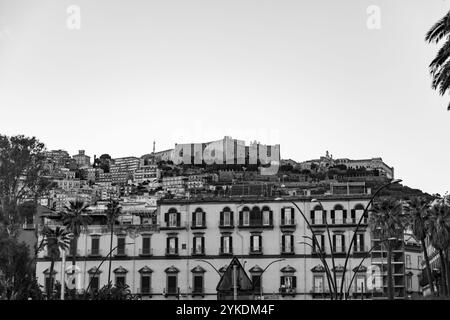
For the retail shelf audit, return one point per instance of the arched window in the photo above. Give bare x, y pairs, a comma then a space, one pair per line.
198, 218
255, 216
318, 215
244, 217
226, 217
338, 215
172, 218
357, 212
267, 216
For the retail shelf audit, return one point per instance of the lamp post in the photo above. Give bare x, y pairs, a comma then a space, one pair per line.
260, 276
63, 273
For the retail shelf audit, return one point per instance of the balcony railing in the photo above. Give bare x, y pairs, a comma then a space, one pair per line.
171, 251
146, 252
168, 226
256, 224
225, 251
171, 291
29, 226
339, 249
223, 225
121, 252
288, 223
195, 225
254, 250
144, 291
360, 249
288, 291
287, 249
198, 251
95, 252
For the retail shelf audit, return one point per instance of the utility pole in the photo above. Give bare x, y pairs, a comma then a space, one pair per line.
63, 273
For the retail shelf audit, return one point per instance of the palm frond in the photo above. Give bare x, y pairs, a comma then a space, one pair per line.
438, 30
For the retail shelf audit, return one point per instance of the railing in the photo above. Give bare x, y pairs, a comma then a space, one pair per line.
171, 251
363, 249
339, 249
225, 251
170, 291
198, 251
288, 290
256, 224
288, 223
195, 225
181, 225
222, 225
287, 249
253, 250
144, 291
95, 252
146, 252
121, 252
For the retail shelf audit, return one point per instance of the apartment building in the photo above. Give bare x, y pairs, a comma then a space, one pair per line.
183, 250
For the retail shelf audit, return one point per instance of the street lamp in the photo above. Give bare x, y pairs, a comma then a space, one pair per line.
260, 276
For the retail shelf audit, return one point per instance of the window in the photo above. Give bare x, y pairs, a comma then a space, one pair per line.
287, 217
198, 218
359, 243
318, 215
172, 284
49, 283
266, 216
360, 284
198, 283
226, 217
321, 239
338, 243
338, 215
146, 245
172, 218
256, 244
288, 283
409, 282
94, 279
95, 246
120, 280
318, 284
121, 246
419, 262
146, 283
198, 245
256, 280
172, 245
245, 217
287, 243
408, 261
226, 244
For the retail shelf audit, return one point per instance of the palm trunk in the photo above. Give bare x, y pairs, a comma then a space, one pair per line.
74, 252
443, 272
110, 253
52, 266
447, 269
389, 274
428, 267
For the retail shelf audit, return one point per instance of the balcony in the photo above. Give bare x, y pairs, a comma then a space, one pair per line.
144, 291
171, 291
360, 249
255, 251
121, 252
198, 251
256, 224
198, 292
339, 250
288, 291
174, 226
288, 223
95, 252
225, 252
226, 226
196, 226
29, 226
287, 250
145, 252
171, 251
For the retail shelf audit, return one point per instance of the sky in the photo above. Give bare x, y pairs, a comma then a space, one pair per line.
312, 76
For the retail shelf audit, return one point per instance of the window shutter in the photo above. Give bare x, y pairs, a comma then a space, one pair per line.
194, 217
271, 217
324, 216
334, 242
221, 218
178, 219
168, 244
231, 244
194, 244
343, 242
283, 241
352, 214
240, 218
260, 242
204, 218
221, 243
344, 214
231, 218
166, 217
312, 215
294, 282
176, 245
281, 281
282, 216
203, 244
322, 242
292, 215
332, 214
251, 242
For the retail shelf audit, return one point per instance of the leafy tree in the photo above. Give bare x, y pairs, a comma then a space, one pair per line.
440, 66
21, 177
388, 221
439, 234
418, 214
55, 240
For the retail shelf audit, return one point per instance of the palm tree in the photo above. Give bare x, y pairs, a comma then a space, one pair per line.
75, 218
388, 221
440, 66
439, 233
418, 215
112, 212
55, 240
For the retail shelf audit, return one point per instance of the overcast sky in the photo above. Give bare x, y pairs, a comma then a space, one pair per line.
309, 75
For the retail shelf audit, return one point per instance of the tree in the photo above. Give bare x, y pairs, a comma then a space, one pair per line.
21, 177
418, 215
388, 222
55, 239
440, 66
439, 234
76, 219
112, 212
